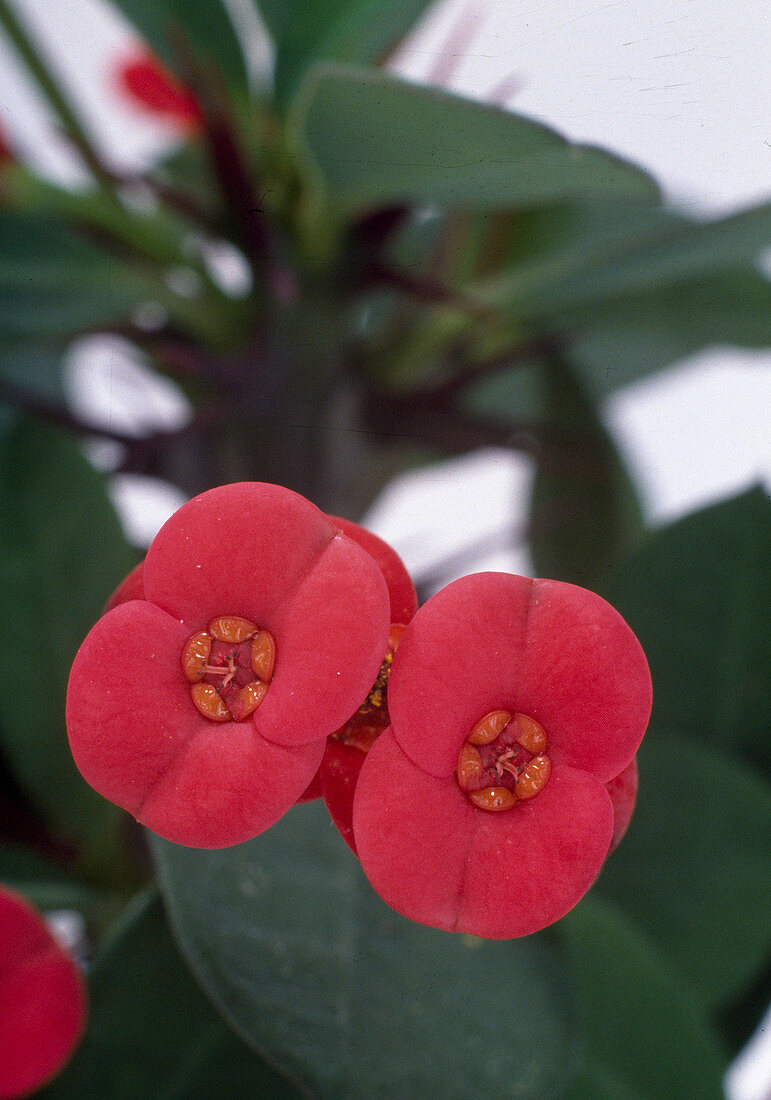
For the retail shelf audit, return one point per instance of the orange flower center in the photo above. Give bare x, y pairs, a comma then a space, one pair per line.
363, 729
229, 667
504, 760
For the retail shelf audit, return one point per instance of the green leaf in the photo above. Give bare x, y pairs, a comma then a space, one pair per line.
35, 368
695, 867
46, 884
61, 554
152, 1033
203, 25
635, 287
371, 139
643, 1036
353, 31
323, 978
697, 597
53, 281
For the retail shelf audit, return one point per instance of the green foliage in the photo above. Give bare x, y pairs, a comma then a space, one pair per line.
694, 868
152, 1033
61, 554
321, 977
372, 139
352, 31
175, 27
643, 1036
697, 597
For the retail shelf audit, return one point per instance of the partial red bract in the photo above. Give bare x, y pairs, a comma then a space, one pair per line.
339, 771
553, 652
265, 554
144, 80
42, 1000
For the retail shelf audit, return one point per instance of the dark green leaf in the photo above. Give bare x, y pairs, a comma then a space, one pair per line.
52, 281
45, 883
371, 139
635, 287
202, 25
695, 866
61, 554
152, 1033
697, 597
643, 1036
353, 31
318, 974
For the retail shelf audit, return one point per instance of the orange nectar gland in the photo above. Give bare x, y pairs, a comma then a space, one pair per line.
229, 667
503, 761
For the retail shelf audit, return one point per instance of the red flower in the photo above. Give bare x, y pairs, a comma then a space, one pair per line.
347, 747
42, 1000
204, 707
147, 83
483, 809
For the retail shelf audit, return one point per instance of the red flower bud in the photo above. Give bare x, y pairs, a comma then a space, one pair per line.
145, 81
42, 1000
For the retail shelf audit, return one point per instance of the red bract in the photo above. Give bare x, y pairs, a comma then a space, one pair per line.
42, 1000
483, 809
203, 708
347, 747
147, 83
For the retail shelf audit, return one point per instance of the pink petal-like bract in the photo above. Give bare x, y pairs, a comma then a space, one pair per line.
540, 652
144, 80
268, 556
345, 750
43, 1002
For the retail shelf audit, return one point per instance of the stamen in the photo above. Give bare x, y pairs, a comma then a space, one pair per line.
503, 761
217, 675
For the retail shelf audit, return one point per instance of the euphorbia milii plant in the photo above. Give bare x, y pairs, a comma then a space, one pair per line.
42, 999
203, 707
513, 703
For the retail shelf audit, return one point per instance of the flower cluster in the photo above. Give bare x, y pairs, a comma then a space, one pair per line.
477, 754
42, 999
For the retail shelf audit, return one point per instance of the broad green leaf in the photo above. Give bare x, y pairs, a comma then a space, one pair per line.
371, 139
152, 1033
634, 287
353, 31
695, 867
351, 999
34, 368
54, 282
202, 26
61, 554
697, 597
643, 1036
584, 512
46, 884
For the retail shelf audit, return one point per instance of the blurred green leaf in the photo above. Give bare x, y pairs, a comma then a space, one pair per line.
35, 368
584, 511
697, 597
203, 25
54, 282
643, 1036
353, 31
152, 1033
61, 554
635, 287
371, 139
695, 867
351, 999
46, 884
